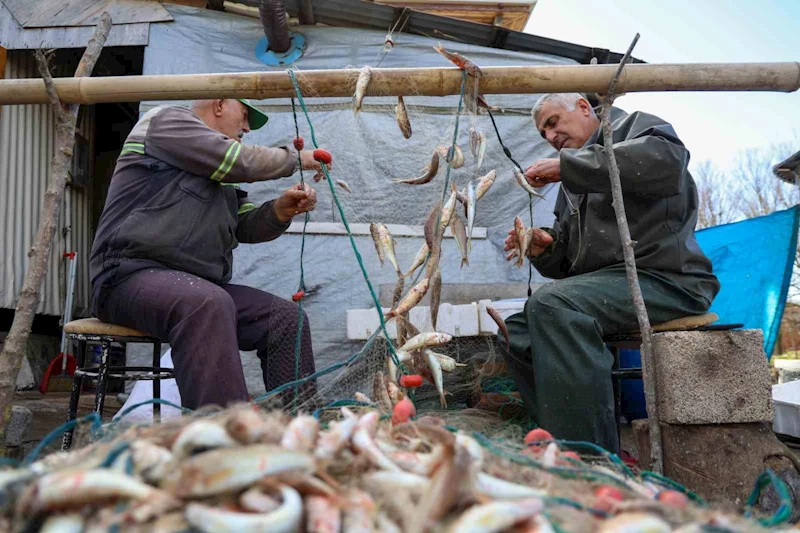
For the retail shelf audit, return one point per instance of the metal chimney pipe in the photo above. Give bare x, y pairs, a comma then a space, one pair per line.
275, 21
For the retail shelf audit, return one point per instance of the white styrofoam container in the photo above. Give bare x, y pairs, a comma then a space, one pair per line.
786, 399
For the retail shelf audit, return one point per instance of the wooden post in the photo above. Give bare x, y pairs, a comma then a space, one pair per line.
65, 117
648, 375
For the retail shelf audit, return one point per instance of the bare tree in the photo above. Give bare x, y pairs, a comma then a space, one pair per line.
719, 201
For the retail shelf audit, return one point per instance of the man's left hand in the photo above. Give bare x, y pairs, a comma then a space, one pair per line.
292, 202
544, 171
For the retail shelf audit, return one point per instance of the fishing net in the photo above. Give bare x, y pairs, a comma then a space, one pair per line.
344, 272
361, 190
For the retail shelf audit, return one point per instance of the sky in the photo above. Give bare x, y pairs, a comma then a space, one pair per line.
714, 126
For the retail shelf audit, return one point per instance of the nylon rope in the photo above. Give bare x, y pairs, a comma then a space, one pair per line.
507, 152
301, 286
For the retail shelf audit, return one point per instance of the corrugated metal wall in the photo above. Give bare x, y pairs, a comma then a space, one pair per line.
26, 148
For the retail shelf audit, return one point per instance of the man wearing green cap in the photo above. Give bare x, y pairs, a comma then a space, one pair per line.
162, 257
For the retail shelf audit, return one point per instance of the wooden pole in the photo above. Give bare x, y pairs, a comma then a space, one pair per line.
65, 117
782, 77
648, 370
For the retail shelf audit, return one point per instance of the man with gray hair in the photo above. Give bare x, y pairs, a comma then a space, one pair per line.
557, 356
162, 258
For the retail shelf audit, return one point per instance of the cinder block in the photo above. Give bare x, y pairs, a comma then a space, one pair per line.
712, 377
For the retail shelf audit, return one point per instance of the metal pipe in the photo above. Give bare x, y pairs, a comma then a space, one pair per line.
275, 21
778, 77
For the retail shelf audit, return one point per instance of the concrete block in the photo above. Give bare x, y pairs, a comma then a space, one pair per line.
712, 377
19, 425
720, 462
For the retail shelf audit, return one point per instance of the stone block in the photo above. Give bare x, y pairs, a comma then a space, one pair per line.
18, 425
712, 377
720, 462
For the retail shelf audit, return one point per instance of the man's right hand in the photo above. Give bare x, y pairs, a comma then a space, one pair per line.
539, 243
308, 162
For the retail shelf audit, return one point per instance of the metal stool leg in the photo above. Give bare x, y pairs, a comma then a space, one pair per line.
617, 393
156, 382
102, 378
72, 410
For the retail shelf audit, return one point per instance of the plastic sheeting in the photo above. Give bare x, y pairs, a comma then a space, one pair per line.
753, 261
368, 151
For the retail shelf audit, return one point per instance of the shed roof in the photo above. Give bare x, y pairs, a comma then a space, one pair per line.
789, 169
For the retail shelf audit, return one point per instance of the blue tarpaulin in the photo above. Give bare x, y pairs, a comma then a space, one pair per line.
753, 260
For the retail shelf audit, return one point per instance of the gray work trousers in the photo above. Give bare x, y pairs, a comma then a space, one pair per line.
557, 356
206, 325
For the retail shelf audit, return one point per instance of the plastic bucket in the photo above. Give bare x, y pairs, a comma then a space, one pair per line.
632, 390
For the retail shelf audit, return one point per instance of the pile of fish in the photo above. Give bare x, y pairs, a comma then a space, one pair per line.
245, 470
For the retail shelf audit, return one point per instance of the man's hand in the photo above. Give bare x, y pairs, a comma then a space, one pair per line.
544, 171
309, 162
298, 199
539, 243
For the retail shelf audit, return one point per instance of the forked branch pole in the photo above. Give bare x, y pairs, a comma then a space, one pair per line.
66, 118
656, 451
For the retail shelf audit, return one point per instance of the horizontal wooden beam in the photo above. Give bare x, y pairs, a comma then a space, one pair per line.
781, 77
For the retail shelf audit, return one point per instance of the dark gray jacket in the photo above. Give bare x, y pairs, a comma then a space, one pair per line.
174, 199
660, 203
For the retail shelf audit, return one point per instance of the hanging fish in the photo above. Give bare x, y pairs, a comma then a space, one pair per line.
460, 61
436, 295
481, 149
376, 238
460, 236
429, 228
401, 116
429, 338
387, 242
438, 379
361, 88
343, 185
449, 209
427, 174
520, 177
484, 184
409, 300
500, 323
474, 139
419, 259
472, 199
457, 158
519, 229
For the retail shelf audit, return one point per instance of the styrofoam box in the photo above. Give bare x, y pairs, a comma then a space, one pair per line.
786, 399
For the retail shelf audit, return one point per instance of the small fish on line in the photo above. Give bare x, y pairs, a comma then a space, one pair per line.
500, 323
520, 177
460, 61
484, 184
472, 200
361, 88
456, 160
401, 116
343, 185
427, 174
519, 232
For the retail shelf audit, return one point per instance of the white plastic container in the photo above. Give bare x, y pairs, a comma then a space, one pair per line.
786, 399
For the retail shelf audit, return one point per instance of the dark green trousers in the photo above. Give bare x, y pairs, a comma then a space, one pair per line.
557, 356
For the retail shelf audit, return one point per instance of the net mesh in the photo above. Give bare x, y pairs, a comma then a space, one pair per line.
480, 399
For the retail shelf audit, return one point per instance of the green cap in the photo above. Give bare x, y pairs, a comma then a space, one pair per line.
255, 117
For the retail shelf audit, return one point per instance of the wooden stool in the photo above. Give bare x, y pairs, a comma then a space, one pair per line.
92, 330
633, 341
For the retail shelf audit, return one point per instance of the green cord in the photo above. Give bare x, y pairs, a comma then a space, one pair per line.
784, 512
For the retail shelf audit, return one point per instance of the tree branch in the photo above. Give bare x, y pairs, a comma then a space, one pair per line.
66, 116
656, 451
